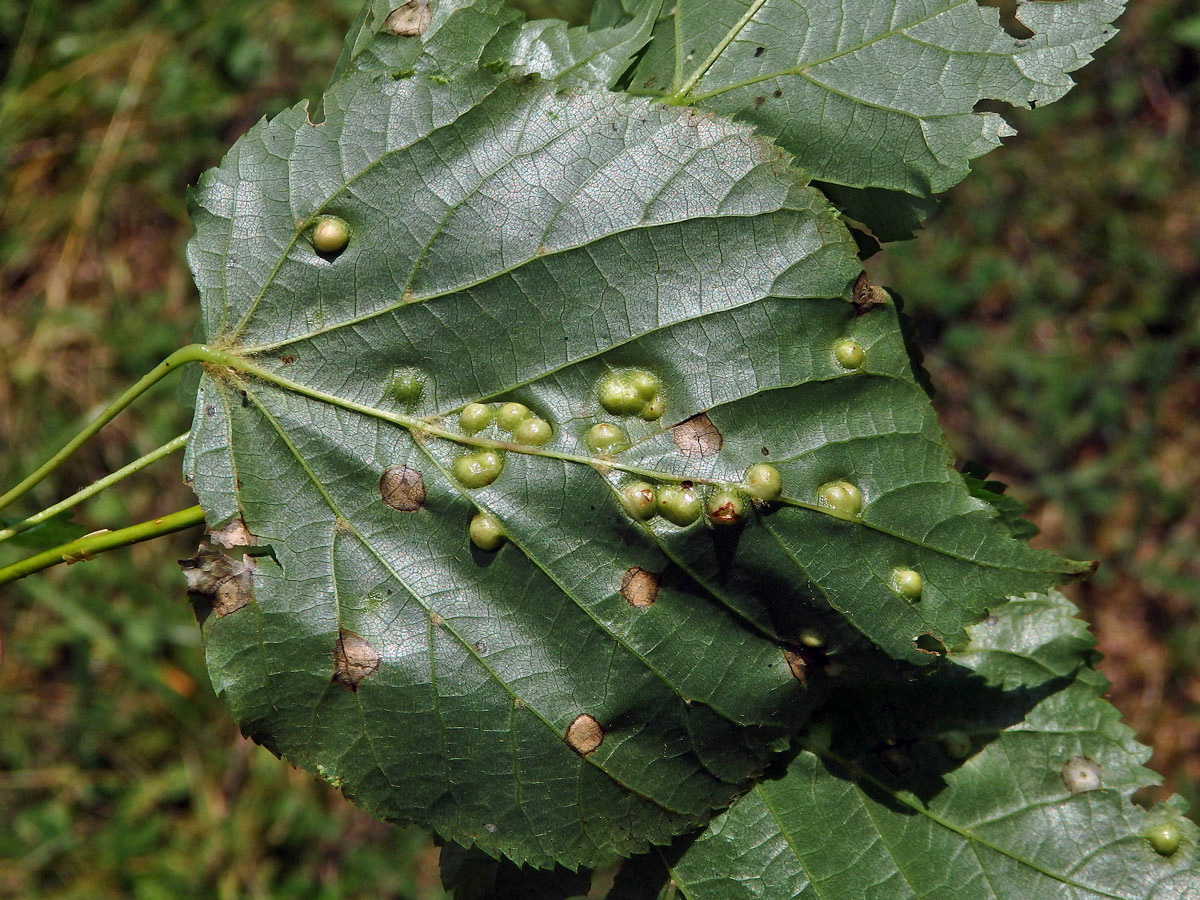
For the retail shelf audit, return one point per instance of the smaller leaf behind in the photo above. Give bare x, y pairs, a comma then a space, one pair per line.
877, 806
876, 98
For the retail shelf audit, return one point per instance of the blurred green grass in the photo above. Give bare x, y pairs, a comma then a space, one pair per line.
1056, 295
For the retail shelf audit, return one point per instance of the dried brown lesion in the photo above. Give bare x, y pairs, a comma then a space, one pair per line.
402, 488
226, 583
585, 734
639, 587
698, 437
354, 660
410, 20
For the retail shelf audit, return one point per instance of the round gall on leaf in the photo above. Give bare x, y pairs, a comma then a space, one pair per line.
330, 235
486, 532
956, 743
640, 500
1164, 838
763, 482
606, 438
534, 432
475, 417
510, 415
619, 397
842, 497
646, 384
907, 583
678, 504
406, 388
848, 354
654, 409
476, 470
726, 507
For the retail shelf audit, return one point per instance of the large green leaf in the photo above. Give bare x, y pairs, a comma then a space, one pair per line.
511, 243
454, 37
875, 97
874, 809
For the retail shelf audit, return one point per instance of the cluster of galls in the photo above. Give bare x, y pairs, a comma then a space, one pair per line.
482, 467
681, 504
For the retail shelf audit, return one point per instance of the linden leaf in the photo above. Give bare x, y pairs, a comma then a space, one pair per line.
597, 683
876, 98
1003, 775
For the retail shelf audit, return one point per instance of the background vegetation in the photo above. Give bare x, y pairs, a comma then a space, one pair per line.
1055, 294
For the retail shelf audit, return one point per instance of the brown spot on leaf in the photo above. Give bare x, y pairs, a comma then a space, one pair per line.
798, 664
353, 660
226, 583
410, 20
287, 360
639, 587
698, 437
867, 296
759, 51
759, 101
585, 735
235, 534
777, 93
402, 488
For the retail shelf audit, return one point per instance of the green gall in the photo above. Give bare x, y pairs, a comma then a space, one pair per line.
907, 583
679, 503
619, 397
842, 497
726, 507
956, 743
1164, 837
606, 438
654, 409
534, 432
486, 532
510, 415
762, 482
330, 235
812, 638
646, 384
476, 470
475, 417
848, 354
406, 387
640, 500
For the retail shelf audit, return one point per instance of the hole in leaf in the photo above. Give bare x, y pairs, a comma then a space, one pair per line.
698, 437
584, 735
927, 643
353, 660
402, 488
1012, 26
639, 587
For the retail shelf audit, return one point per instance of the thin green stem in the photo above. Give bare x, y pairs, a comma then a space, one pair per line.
102, 541
96, 487
191, 353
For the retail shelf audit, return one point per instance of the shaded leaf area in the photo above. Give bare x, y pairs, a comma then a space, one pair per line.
876, 99
511, 244
472, 875
876, 807
454, 37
